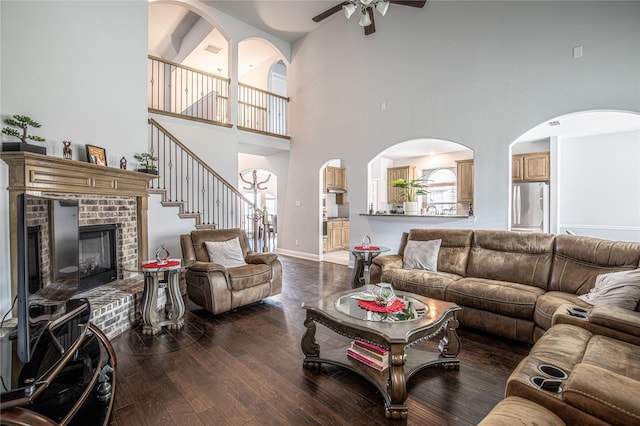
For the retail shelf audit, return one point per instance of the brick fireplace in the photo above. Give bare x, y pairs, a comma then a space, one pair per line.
104, 196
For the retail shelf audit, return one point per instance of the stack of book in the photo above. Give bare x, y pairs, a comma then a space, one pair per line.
371, 355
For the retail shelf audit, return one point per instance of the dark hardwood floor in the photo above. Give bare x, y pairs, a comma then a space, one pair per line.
245, 368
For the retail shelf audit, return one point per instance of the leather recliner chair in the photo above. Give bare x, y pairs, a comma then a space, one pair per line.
220, 289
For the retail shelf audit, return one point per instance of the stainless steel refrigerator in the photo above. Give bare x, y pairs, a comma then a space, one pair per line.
530, 207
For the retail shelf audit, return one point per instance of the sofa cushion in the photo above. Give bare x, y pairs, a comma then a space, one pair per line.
243, 277
421, 255
454, 249
500, 297
548, 303
518, 257
621, 289
226, 253
577, 261
614, 355
604, 394
426, 283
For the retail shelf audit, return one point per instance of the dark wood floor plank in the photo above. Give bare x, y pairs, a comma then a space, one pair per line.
245, 367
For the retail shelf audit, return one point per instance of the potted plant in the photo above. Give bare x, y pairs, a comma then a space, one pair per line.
145, 163
22, 122
410, 189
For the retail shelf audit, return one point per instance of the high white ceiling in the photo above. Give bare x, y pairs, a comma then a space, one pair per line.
291, 19
286, 19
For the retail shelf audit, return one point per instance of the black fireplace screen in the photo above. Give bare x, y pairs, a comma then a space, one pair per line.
97, 262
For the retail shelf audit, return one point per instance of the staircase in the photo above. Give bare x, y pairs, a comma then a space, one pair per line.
187, 182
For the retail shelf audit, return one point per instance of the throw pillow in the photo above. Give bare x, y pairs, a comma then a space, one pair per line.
421, 255
621, 289
226, 253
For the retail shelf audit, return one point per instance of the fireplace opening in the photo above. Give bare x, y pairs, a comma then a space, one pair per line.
97, 263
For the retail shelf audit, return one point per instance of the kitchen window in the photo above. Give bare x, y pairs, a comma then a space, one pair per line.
442, 196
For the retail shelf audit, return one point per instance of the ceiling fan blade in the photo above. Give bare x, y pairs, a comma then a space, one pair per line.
329, 12
371, 28
416, 3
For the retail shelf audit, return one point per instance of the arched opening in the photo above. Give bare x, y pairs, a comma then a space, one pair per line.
445, 166
593, 175
334, 211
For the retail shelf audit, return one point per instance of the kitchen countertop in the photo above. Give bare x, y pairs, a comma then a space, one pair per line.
337, 218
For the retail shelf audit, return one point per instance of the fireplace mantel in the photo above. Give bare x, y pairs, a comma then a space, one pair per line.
38, 175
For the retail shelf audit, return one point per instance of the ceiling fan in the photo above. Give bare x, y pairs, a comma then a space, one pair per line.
366, 9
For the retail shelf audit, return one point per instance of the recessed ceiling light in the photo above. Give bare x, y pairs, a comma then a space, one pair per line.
554, 123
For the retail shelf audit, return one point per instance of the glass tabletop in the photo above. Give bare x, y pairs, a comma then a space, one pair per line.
348, 304
154, 266
366, 249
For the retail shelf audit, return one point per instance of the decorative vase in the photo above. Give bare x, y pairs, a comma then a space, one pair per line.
410, 207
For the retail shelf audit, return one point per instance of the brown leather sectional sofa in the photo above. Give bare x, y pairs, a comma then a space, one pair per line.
508, 283
523, 286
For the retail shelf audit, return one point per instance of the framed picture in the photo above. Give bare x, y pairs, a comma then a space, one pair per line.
96, 155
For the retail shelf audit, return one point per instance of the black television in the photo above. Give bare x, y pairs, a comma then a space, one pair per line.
50, 317
42, 294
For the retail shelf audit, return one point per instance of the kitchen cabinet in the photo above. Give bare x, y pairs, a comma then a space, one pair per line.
335, 178
465, 181
337, 234
393, 173
531, 167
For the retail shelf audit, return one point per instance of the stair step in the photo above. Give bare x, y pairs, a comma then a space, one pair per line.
189, 215
209, 226
172, 203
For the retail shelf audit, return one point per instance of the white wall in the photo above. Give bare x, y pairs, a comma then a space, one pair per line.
79, 68
599, 185
478, 73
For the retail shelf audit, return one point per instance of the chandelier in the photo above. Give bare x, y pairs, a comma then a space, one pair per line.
365, 7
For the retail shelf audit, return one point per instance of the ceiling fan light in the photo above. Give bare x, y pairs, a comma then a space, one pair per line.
366, 2
349, 9
382, 7
365, 21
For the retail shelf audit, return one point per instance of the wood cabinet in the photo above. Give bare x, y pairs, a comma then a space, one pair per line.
334, 178
393, 173
531, 167
337, 234
465, 181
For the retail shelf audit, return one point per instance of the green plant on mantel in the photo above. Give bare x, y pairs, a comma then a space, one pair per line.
23, 122
411, 188
145, 160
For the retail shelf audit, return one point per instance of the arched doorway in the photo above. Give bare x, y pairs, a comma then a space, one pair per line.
334, 211
594, 181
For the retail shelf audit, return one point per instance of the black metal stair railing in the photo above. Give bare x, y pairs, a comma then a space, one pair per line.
201, 193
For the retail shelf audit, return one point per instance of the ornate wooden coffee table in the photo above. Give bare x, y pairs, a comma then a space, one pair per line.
341, 314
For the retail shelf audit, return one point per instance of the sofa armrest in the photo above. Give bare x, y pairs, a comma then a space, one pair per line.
206, 267
261, 258
609, 321
388, 261
616, 318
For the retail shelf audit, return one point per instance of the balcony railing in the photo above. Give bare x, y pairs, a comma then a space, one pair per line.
185, 92
261, 111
